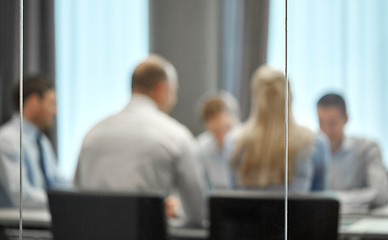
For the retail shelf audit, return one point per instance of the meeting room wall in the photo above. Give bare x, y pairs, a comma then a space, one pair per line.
8, 49
187, 34
244, 27
214, 45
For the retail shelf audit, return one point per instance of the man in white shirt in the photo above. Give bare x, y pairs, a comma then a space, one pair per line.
356, 170
142, 149
40, 171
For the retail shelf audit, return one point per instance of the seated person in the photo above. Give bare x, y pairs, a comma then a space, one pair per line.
219, 114
356, 170
40, 172
142, 149
257, 149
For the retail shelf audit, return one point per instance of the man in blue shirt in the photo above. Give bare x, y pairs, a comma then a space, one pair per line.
356, 171
219, 113
39, 161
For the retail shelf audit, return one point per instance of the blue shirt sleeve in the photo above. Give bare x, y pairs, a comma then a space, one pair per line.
302, 172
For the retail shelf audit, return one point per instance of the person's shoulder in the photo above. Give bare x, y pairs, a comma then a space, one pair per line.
99, 127
362, 141
305, 132
206, 142
204, 137
306, 137
365, 149
173, 126
235, 132
363, 144
9, 137
9, 130
232, 136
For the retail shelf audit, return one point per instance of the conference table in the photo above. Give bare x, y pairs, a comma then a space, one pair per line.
37, 224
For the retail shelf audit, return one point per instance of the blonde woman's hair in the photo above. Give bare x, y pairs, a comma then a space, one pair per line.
260, 145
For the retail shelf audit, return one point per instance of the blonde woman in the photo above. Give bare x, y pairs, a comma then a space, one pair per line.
257, 149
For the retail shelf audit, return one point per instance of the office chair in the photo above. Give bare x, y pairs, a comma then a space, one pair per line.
92, 215
5, 201
254, 215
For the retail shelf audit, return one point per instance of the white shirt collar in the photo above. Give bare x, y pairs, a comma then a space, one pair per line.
138, 99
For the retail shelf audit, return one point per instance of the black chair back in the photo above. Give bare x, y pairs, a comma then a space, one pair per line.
252, 215
5, 201
86, 215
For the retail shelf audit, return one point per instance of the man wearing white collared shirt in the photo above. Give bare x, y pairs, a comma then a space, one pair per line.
141, 148
356, 170
40, 172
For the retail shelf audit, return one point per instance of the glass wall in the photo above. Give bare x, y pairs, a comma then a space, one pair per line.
108, 153
336, 54
336, 46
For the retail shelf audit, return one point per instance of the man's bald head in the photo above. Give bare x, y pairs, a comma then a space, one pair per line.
151, 71
156, 78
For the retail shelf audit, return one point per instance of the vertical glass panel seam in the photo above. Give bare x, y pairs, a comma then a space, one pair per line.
286, 127
21, 119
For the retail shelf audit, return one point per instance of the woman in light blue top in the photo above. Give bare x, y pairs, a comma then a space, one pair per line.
256, 150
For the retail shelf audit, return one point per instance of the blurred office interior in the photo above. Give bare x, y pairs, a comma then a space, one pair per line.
88, 49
